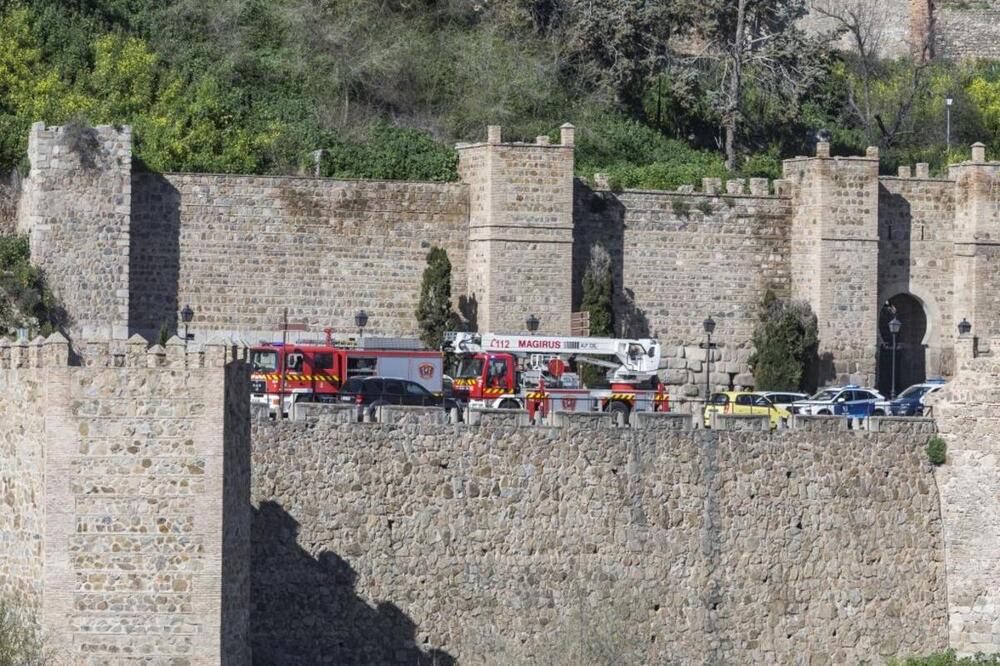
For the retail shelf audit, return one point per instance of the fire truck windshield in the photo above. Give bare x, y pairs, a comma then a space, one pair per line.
469, 368
264, 361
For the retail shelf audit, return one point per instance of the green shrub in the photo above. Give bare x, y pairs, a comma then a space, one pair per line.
784, 343
390, 153
948, 658
705, 208
937, 450
680, 208
20, 642
639, 157
25, 300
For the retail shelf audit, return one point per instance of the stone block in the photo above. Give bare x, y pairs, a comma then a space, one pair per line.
759, 187
675, 377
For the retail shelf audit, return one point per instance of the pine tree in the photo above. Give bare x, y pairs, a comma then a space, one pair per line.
434, 314
784, 341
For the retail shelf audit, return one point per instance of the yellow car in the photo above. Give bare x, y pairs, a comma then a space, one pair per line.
744, 403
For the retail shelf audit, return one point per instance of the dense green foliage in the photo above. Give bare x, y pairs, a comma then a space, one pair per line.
386, 87
434, 313
937, 450
20, 643
784, 342
25, 300
949, 658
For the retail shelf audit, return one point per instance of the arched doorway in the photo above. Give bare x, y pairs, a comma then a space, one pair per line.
911, 353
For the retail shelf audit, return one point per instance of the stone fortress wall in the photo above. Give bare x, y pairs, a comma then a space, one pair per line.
952, 29
241, 249
124, 481
131, 248
153, 521
968, 418
416, 542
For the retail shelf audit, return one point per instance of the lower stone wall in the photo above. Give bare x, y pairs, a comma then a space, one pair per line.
22, 489
428, 543
968, 414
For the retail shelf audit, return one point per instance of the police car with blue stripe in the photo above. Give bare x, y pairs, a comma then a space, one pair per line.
850, 400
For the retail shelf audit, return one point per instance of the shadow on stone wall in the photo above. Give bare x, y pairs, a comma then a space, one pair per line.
468, 313
306, 611
154, 255
632, 320
599, 222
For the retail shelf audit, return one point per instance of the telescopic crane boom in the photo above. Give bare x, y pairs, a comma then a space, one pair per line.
637, 359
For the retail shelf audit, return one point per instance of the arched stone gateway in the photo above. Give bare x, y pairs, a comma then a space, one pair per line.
912, 347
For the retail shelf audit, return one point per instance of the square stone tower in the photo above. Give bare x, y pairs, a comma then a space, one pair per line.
76, 210
977, 232
834, 258
520, 231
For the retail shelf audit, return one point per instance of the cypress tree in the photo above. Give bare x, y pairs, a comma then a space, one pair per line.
434, 314
598, 300
598, 294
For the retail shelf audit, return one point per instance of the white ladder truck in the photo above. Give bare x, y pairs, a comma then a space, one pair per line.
531, 372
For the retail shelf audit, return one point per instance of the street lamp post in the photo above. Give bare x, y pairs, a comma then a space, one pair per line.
709, 326
187, 314
361, 320
532, 323
947, 132
894, 326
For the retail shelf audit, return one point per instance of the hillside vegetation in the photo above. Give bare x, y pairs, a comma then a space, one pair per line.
663, 91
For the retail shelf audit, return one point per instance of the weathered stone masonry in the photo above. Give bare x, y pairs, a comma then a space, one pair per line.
129, 482
128, 530
504, 544
125, 250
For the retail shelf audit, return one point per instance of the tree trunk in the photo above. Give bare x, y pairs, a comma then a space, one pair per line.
735, 86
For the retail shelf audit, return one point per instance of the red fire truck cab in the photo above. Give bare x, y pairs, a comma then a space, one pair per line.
317, 371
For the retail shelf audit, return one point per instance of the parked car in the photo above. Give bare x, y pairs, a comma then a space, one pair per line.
373, 392
783, 399
847, 400
743, 403
911, 401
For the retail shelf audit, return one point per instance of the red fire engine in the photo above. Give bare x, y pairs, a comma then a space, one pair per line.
530, 372
318, 370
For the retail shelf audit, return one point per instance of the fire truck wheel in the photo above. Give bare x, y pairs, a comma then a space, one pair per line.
509, 404
617, 408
